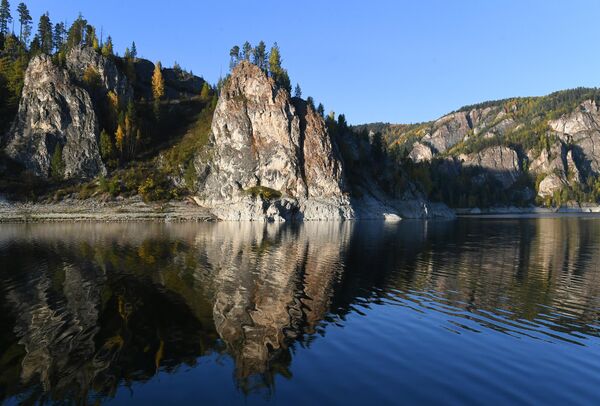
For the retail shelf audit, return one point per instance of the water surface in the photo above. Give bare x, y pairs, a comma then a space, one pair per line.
468, 311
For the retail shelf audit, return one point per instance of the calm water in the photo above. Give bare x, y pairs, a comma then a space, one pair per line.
466, 311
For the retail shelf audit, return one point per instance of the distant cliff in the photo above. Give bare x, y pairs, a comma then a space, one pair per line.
540, 150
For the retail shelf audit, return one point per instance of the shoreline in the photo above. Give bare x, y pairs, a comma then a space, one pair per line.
136, 210
126, 210
529, 212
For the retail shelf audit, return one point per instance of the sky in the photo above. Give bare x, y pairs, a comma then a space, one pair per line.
392, 61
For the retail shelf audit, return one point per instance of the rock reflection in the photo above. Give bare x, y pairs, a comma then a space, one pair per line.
89, 308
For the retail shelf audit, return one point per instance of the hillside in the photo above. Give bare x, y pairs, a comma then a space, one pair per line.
530, 150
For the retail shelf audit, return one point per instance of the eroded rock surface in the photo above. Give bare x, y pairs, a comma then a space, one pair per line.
262, 140
54, 112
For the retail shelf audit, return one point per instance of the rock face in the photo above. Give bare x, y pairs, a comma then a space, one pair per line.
501, 162
262, 140
55, 112
82, 58
582, 129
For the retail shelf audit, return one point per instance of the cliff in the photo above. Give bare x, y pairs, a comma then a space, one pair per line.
271, 157
540, 150
55, 113
268, 158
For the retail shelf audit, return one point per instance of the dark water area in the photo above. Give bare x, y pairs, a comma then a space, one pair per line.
494, 311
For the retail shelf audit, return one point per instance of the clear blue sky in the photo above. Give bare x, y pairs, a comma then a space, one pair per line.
396, 61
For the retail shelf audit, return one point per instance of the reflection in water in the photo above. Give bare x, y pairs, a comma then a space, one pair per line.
91, 308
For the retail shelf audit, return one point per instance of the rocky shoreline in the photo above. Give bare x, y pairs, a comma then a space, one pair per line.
133, 209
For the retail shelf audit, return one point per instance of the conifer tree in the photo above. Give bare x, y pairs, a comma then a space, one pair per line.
279, 74
297, 91
246, 51
60, 33
234, 55
5, 17
259, 56
321, 110
133, 50
76, 32
158, 82
24, 23
45, 34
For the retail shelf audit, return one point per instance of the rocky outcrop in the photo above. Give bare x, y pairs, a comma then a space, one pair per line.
500, 162
81, 59
54, 112
263, 143
421, 153
581, 128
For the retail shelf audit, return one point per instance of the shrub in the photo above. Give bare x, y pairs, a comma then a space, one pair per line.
264, 192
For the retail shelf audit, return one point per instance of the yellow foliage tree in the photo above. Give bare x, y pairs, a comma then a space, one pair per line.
120, 137
158, 82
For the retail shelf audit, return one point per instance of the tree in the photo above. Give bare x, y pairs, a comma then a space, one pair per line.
60, 33
57, 165
259, 56
5, 17
297, 91
91, 40
158, 82
25, 23
310, 101
133, 51
321, 110
246, 51
76, 32
277, 72
106, 146
119, 138
45, 34
107, 48
234, 55
205, 92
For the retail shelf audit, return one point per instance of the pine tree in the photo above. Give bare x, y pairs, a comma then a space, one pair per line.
321, 110
158, 83
297, 91
234, 55
260, 55
60, 33
246, 51
25, 23
133, 50
5, 17
45, 34
76, 32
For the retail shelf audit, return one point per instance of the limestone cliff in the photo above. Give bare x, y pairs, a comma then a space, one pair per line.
55, 113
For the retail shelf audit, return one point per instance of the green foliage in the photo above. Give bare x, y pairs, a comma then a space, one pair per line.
57, 165
106, 146
5, 17
45, 34
264, 192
